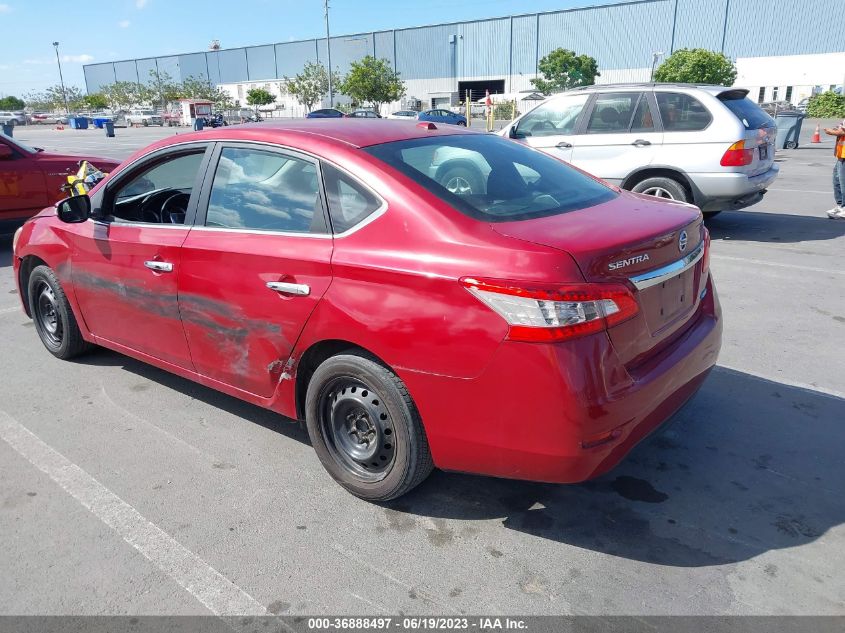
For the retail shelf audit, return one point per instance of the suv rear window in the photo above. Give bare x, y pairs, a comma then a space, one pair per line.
753, 117
492, 179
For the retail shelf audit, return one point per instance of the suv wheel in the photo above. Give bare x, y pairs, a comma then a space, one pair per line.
662, 187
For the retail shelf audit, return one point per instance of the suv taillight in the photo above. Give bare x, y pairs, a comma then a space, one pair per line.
546, 314
737, 155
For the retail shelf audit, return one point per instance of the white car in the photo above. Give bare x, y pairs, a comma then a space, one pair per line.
144, 117
13, 118
405, 115
707, 145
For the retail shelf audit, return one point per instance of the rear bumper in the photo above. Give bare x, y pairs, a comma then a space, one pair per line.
561, 413
730, 190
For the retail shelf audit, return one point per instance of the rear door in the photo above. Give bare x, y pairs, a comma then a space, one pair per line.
552, 126
620, 136
255, 265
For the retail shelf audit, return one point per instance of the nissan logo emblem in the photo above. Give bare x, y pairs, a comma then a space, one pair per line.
682, 241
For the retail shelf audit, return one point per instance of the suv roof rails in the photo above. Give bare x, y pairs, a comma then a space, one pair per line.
643, 84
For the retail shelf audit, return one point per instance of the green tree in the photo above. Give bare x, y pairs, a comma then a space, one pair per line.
826, 105
122, 95
95, 101
200, 88
53, 98
562, 70
11, 103
259, 97
373, 81
311, 85
697, 66
160, 90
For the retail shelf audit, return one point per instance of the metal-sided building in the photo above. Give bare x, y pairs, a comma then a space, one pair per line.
784, 49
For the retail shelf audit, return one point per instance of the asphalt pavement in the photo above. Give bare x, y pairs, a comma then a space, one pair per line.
126, 490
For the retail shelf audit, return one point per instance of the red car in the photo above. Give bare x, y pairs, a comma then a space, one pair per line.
31, 178
536, 328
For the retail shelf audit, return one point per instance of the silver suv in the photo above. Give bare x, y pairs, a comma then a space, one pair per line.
708, 145
13, 118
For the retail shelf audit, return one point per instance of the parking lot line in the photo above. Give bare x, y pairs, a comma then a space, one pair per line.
762, 262
216, 592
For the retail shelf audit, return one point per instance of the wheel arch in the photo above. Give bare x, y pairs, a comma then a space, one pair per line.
28, 264
317, 353
657, 171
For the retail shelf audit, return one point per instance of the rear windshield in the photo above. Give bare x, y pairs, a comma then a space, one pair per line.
491, 178
751, 115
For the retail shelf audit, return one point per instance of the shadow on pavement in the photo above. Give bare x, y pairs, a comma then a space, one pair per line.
748, 466
5, 251
756, 226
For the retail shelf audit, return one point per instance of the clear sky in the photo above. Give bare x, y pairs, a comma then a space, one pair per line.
125, 29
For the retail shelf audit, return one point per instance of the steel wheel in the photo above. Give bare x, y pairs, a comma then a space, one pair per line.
459, 186
47, 314
357, 428
658, 192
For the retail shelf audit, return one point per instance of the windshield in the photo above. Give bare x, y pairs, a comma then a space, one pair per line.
493, 179
752, 116
17, 144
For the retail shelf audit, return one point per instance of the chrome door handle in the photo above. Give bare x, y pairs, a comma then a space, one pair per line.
299, 290
641, 143
162, 267
564, 145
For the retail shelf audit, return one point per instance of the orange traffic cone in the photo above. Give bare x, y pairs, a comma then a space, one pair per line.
817, 137
60, 127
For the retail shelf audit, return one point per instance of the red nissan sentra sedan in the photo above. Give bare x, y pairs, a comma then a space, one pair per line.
534, 326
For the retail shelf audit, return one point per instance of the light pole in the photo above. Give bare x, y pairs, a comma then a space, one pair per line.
329, 53
654, 57
61, 78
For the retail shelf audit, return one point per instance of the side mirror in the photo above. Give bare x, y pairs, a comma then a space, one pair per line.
74, 210
514, 133
5, 152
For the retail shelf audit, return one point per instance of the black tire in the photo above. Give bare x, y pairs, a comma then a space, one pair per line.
662, 187
145, 123
461, 180
461, 124
710, 214
53, 316
388, 454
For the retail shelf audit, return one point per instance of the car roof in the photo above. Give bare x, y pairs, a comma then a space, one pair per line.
350, 132
712, 89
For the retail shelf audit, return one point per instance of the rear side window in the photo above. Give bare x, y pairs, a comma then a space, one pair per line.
558, 116
682, 112
349, 201
493, 179
752, 116
613, 112
265, 191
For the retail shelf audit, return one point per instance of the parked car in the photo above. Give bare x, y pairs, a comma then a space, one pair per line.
403, 114
773, 107
325, 113
536, 329
708, 145
215, 120
144, 117
442, 116
249, 116
13, 118
31, 179
363, 114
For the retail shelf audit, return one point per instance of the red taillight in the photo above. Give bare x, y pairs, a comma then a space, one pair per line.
705, 258
546, 314
737, 155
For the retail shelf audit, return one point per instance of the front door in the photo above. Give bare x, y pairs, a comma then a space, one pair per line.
125, 267
620, 136
552, 126
255, 266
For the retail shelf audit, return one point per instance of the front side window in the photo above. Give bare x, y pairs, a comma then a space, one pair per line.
613, 112
681, 112
556, 117
160, 193
492, 179
266, 191
349, 201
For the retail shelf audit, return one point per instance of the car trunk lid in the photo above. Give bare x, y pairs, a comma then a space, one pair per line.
630, 240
